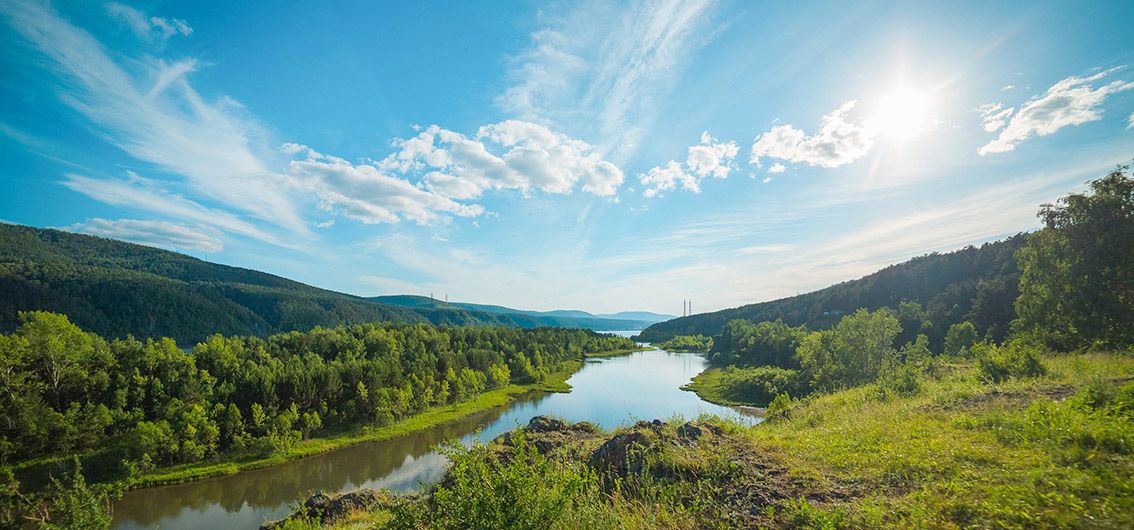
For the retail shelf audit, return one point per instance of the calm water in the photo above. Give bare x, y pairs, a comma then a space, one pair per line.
609, 393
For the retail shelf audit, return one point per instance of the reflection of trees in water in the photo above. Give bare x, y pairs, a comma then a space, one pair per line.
401, 461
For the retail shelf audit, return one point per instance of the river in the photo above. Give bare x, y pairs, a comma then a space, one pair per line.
608, 392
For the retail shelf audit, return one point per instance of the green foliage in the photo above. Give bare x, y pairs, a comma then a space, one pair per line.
526, 491
64, 391
760, 385
851, 353
902, 371
1077, 283
1015, 359
959, 339
75, 505
779, 406
764, 344
688, 343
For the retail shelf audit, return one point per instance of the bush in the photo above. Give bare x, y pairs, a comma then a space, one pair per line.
760, 385
996, 364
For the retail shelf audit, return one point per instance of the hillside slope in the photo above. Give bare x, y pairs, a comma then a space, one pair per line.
975, 283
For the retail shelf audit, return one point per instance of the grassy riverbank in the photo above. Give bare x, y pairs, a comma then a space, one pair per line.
555, 382
617, 353
709, 386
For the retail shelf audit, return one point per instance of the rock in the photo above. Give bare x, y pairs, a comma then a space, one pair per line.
690, 431
327, 509
546, 424
620, 455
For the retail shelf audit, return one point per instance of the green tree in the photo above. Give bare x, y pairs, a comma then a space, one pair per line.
76, 506
851, 353
1077, 282
960, 338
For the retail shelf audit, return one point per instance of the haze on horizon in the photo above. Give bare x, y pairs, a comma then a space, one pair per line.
559, 155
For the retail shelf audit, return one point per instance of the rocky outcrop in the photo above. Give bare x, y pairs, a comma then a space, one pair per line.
327, 509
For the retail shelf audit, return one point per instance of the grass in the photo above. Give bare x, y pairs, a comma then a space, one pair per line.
617, 353
555, 382
1024, 453
708, 386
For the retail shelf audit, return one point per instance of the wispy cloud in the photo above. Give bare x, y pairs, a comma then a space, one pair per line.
709, 158
599, 70
164, 234
1072, 101
994, 116
142, 194
153, 29
840, 141
156, 116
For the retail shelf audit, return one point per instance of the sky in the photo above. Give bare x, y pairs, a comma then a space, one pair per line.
602, 156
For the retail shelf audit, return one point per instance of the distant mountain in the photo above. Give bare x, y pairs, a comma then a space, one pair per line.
558, 318
639, 315
975, 283
115, 289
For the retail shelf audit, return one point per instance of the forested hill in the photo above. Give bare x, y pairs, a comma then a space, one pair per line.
115, 289
978, 284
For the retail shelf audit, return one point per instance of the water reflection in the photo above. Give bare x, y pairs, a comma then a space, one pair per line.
609, 393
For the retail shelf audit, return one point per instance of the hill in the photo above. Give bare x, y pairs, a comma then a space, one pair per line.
115, 289
978, 284
520, 317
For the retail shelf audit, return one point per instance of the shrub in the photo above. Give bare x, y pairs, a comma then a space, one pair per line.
760, 385
996, 364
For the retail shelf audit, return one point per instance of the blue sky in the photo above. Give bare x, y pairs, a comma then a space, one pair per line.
592, 155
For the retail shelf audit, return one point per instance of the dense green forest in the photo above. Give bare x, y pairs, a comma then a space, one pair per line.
977, 284
116, 289
523, 318
129, 405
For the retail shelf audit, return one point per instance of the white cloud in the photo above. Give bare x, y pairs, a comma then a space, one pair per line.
839, 141
511, 154
709, 158
1006, 88
156, 116
601, 68
164, 234
777, 168
1130, 121
994, 116
154, 29
1072, 101
143, 194
365, 193
767, 179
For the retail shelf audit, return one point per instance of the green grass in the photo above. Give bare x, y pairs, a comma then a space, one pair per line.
1024, 453
617, 353
708, 386
555, 382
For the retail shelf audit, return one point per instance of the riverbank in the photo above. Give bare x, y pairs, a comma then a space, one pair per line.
555, 382
709, 387
617, 353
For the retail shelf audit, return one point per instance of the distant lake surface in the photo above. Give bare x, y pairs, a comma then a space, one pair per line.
608, 392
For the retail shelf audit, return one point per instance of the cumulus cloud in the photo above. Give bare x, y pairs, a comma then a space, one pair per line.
839, 141
164, 234
365, 193
709, 158
511, 154
154, 29
1072, 101
777, 168
994, 116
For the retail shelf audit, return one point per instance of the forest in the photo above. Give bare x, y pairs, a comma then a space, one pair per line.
130, 406
977, 284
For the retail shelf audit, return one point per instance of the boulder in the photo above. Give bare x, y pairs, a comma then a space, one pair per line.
621, 454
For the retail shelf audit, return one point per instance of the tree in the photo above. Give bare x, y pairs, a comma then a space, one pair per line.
960, 338
1077, 281
76, 506
851, 353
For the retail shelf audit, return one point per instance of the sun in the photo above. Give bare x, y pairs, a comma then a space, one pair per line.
902, 113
